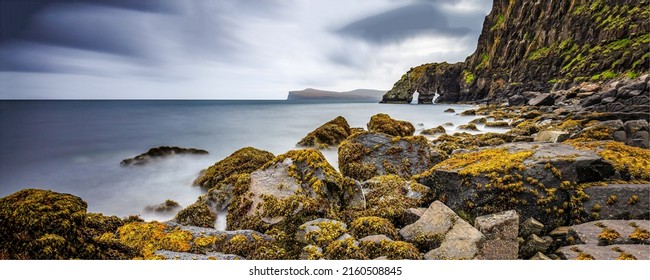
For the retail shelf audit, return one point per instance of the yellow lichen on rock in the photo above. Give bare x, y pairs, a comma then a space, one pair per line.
366, 226
146, 238
485, 161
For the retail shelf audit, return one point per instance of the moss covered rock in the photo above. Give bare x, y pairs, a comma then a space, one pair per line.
392, 250
329, 134
41, 224
242, 161
390, 197
293, 188
537, 180
365, 155
320, 232
383, 123
167, 206
197, 214
366, 226
435, 130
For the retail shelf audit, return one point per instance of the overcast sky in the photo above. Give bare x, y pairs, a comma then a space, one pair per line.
226, 49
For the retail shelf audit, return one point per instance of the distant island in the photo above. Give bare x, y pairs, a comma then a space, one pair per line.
357, 95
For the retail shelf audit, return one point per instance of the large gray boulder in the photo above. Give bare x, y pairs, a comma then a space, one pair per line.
366, 155
443, 234
535, 179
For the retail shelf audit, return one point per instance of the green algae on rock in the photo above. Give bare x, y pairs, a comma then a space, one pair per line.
245, 160
366, 226
329, 134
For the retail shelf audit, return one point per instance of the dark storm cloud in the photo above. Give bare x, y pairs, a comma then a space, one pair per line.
402, 23
15, 15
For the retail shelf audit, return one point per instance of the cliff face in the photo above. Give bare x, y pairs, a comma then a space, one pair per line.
539, 46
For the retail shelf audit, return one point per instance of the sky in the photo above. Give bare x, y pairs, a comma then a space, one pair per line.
226, 49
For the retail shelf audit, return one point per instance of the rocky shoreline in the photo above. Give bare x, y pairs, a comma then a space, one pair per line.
555, 186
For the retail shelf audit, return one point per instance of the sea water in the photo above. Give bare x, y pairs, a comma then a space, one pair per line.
76, 146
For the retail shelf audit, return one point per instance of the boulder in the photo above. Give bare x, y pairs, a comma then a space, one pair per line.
160, 152
320, 232
171, 255
379, 245
500, 231
331, 133
165, 207
551, 136
383, 123
612, 252
450, 110
443, 234
530, 226
608, 232
242, 161
617, 201
516, 100
390, 197
535, 244
42, 224
435, 130
366, 155
543, 99
293, 188
536, 180
366, 226
636, 132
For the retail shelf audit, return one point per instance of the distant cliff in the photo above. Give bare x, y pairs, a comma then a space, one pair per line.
539, 46
316, 95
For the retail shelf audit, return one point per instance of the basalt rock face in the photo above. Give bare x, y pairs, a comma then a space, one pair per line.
538, 46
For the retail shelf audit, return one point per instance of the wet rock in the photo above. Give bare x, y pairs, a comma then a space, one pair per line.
500, 231
450, 110
536, 180
366, 155
383, 123
469, 126
617, 201
530, 226
197, 214
543, 99
535, 244
517, 100
331, 133
637, 133
242, 161
160, 152
608, 232
432, 131
167, 206
443, 234
551, 136
612, 252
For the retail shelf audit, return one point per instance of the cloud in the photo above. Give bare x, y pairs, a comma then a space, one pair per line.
402, 23
228, 49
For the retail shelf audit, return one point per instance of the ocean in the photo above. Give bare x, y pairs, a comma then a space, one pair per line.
76, 146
